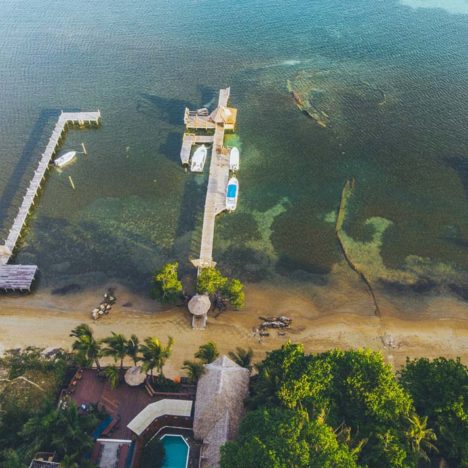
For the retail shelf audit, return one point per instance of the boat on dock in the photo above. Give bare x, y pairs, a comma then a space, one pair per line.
232, 193
198, 159
65, 159
234, 159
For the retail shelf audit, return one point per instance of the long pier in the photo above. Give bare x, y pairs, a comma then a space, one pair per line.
221, 119
21, 276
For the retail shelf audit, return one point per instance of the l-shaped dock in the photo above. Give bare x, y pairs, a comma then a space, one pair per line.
221, 119
20, 277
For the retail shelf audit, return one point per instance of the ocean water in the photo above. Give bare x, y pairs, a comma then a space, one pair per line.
391, 76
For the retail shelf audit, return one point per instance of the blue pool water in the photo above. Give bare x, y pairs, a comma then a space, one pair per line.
231, 191
176, 451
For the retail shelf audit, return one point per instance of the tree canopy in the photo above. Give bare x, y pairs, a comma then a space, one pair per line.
440, 393
211, 281
353, 392
167, 286
279, 437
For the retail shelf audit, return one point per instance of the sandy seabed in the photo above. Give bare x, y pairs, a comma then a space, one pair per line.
338, 315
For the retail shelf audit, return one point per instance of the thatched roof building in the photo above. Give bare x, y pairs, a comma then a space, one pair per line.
219, 406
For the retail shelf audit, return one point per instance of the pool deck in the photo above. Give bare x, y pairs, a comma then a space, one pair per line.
221, 119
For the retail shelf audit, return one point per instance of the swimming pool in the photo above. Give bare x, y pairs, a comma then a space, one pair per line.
231, 191
176, 451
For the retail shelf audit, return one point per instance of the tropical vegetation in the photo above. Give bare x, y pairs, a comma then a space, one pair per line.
347, 408
167, 285
211, 281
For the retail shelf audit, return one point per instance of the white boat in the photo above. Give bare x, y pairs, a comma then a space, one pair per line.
65, 158
198, 159
234, 159
232, 192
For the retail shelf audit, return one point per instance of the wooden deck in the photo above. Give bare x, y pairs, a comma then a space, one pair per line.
65, 119
221, 119
190, 139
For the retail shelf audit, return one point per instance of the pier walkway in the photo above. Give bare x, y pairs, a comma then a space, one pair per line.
21, 276
221, 119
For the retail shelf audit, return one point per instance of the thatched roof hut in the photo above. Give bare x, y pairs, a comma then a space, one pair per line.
199, 304
219, 406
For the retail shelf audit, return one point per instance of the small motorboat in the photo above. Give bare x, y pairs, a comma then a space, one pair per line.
232, 192
234, 159
65, 159
198, 159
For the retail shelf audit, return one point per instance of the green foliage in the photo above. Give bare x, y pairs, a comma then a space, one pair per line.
113, 376
234, 291
64, 431
278, 437
243, 357
207, 353
163, 384
355, 390
133, 348
167, 286
154, 354
116, 346
210, 281
87, 349
194, 370
440, 392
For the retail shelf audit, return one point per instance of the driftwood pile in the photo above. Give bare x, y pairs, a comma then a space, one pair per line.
279, 323
105, 306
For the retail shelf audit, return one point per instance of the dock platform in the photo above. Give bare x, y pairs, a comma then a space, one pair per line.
221, 119
20, 277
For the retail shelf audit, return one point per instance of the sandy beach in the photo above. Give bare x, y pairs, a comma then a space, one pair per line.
339, 315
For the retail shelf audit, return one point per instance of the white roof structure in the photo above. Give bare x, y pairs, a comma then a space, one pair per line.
166, 407
219, 406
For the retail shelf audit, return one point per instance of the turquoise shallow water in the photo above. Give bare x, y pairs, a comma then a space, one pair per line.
391, 75
175, 452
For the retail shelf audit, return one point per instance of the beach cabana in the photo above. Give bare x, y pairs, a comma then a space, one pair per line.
199, 306
219, 407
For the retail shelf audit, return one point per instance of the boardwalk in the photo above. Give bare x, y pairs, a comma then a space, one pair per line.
6, 250
221, 119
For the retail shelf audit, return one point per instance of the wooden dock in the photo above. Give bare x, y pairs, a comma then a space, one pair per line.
190, 139
19, 276
221, 119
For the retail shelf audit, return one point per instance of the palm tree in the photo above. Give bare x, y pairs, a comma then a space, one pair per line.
207, 353
154, 354
113, 375
194, 370
133, 349
87, 348
420, 437
64, 431
243, 357
117, 347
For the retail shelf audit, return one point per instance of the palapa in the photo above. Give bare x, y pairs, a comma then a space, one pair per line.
135, 376
219, 406
199, 305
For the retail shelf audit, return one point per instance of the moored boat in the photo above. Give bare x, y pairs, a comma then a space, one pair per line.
232, 193
234, 159
65, 159
198, 159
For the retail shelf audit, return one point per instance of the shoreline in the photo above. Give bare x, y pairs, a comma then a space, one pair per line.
323, 318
